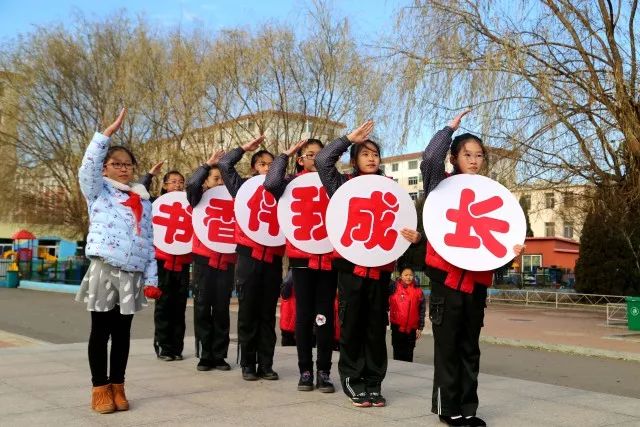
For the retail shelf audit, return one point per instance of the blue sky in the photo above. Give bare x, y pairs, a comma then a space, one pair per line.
368, 17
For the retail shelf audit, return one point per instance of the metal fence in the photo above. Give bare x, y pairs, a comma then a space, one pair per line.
536, 297
69, 271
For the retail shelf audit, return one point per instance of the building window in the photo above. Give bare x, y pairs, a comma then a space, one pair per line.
308, 127
531, 263
526, 201
394, 167
413, 180
250, 126
549, 229
382, 168
413, 164
568, 230
420, 178
549, 200
420, 194
569, 200
414, 196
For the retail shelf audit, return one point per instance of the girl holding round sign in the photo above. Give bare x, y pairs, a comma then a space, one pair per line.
364, 213
259, 268
460, 262
173, 256
301, 212
213, 264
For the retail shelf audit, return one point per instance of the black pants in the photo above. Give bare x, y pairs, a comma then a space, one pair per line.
403, 344
457, 318
363, 329
315, 294
258, 287
104, 325
211, 296
169, 310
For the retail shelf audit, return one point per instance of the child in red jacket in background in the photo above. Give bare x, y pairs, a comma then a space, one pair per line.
407, 307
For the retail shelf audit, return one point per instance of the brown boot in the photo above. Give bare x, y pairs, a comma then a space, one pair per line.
102, 399
119, 398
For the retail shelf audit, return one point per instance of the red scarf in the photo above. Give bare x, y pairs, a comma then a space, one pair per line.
135, 203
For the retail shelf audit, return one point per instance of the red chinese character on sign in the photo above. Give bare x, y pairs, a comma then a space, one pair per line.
309, 207
178, 222
370, 220
469, 216
220, 221
263, 209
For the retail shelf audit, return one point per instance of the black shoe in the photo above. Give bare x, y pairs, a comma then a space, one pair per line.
323, 382
221, 365
361, 400
178, 357
266, 373
458, 422
377, 400
166, 357
475, 421
249, 373
306, 381
204, 365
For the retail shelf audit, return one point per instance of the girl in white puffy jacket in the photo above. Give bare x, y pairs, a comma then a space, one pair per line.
123, 266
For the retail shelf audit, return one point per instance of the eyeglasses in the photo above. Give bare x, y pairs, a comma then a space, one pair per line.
117, 165
309, 156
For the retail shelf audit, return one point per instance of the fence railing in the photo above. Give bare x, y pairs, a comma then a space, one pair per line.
70, 271
553, 299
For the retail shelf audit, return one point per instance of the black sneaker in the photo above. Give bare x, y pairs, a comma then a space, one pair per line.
323, 382
204, 365
222, 365
178, 357
377, 400
475, 421
249, 373
455, 422
166, 357
266, 373
306, 381
361, 400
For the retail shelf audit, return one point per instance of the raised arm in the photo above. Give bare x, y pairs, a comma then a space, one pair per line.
90, 173
195, 182
435, 154
232, 180
327, 158
276, 180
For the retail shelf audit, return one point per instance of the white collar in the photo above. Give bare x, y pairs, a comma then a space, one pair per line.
135, 187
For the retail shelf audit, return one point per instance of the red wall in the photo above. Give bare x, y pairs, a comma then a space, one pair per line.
556, 251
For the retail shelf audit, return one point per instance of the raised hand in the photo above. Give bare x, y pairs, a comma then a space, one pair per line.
361, 134
155, 170
295, 147
113, 127
215, 157
455, 122
253, 145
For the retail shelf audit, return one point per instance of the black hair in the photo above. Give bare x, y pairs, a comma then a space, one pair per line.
115, 148
357, 148
406, 267
166, 176
459, 141
257, 155
310, 141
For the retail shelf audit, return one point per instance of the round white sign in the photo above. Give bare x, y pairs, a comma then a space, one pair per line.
214, 221
473, 222
364, 219
257, 213
301, 214
172, 230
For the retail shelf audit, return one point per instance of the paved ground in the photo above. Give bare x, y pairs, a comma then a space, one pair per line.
30, 317
48, 385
